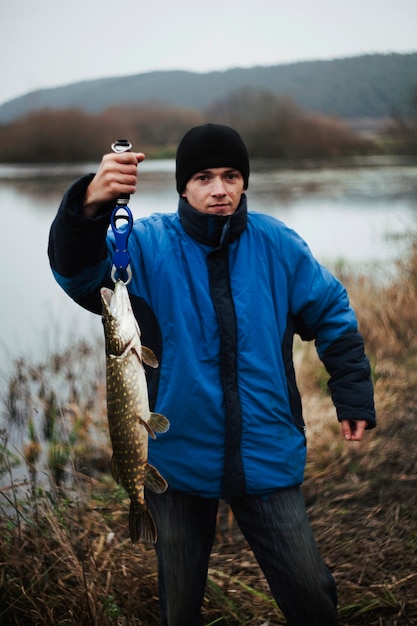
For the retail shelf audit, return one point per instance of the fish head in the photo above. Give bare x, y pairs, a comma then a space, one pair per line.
121, 329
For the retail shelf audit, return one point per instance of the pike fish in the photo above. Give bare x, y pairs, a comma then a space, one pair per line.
129, 417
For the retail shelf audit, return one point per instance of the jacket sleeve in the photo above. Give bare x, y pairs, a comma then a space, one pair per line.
350, 380
77, 248
323, 313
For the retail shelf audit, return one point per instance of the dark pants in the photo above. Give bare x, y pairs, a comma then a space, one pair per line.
280, 535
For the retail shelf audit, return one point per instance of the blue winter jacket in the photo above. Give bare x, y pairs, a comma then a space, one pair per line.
219, 301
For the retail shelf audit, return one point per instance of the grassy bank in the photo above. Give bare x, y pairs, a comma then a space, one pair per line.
65, 553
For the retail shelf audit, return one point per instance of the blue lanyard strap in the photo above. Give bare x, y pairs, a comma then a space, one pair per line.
121, 258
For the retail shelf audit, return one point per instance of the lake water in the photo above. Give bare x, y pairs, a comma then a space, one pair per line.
343, 209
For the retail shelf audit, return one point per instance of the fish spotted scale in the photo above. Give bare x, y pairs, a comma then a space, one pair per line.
129, 417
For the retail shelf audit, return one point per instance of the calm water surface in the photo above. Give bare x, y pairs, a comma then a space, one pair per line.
343, 210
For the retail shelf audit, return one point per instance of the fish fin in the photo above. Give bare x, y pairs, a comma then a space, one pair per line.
154, 481
115, 470
149, 429
141, 524
158, 423
149, 358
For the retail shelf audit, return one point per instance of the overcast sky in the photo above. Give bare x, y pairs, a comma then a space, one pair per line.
55, 42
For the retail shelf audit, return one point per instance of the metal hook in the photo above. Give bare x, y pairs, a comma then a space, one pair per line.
115, 277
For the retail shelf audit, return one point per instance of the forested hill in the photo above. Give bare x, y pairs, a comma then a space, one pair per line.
372, 86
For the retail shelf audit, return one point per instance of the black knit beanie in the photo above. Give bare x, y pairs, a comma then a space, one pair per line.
207, 146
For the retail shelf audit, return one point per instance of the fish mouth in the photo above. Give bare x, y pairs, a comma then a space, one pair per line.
106, 296
116, 303
122, 331
120, 303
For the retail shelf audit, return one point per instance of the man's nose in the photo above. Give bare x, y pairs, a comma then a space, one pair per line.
218, 187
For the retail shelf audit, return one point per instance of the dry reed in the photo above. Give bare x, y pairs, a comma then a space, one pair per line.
65, 554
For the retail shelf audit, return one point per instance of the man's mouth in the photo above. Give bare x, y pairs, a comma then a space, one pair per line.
219, 206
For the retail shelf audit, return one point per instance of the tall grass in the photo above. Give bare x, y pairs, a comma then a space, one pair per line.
65, 553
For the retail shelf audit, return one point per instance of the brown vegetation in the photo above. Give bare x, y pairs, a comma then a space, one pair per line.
272, 127
65, 553
276, 127
74, 136
402, 128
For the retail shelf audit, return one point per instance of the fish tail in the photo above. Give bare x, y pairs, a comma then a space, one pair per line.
141, 523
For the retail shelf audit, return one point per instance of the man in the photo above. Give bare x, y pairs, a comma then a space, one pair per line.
219, 293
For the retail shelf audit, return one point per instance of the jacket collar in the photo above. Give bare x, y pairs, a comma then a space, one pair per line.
213, 230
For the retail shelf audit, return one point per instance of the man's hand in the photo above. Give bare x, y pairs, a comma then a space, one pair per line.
116, 175
353, 430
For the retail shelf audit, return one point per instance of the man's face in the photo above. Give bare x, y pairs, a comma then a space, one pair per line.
215, 190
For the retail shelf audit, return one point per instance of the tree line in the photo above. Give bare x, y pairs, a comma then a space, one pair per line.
272, 127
